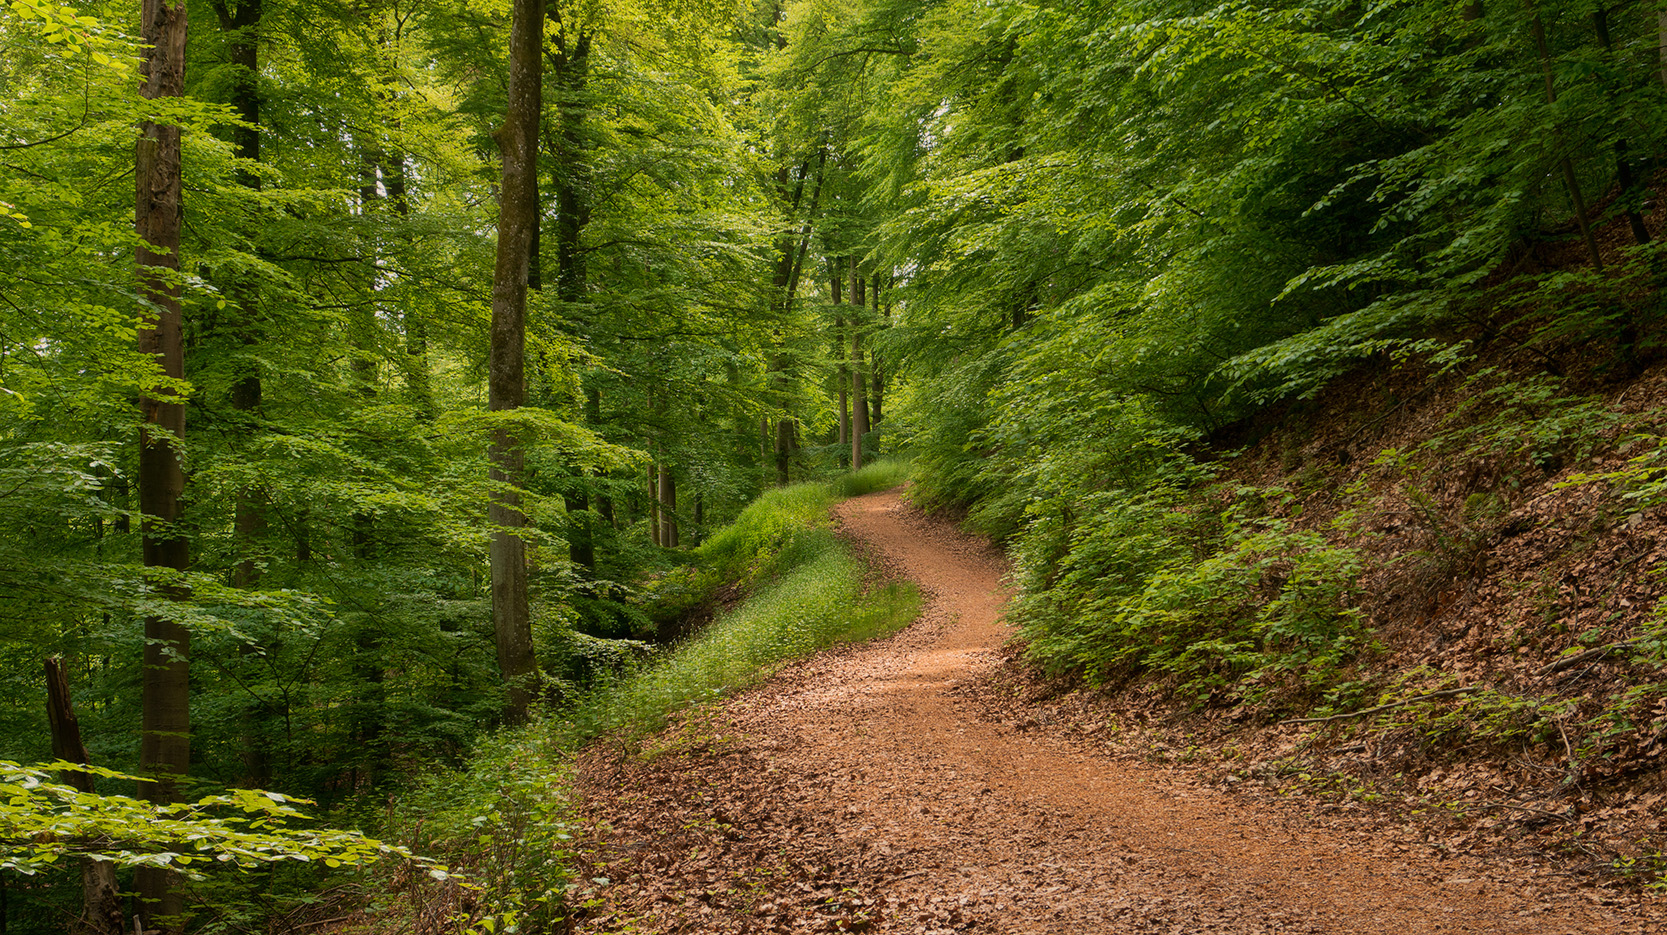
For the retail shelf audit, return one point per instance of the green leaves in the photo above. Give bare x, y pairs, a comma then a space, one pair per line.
43, 822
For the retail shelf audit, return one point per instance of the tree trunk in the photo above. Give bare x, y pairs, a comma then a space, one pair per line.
654, 530
876, 390
506, 366
164, 738
1661, 43
102, 907
667, 497
1623, 162
784, 451
571, 170
842, 378
859, 388
698, 532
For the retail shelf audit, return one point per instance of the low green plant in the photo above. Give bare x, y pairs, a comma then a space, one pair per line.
44, 821
1154, 587
1531, 418
507, 821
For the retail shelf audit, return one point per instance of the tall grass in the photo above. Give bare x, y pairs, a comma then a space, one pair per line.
817, 602
810, 594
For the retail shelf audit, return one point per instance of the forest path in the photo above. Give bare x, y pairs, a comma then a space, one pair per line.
862, 791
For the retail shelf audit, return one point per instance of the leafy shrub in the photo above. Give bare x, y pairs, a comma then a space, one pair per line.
1144, 588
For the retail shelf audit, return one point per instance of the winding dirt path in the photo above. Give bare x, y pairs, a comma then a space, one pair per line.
861, 791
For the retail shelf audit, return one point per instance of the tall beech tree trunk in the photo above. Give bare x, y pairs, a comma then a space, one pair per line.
165, 720
654, 529
876, 389
859, 382
506, 365
241, 26
102, 906
842, 376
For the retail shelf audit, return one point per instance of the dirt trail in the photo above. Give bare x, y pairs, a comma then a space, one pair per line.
861, 791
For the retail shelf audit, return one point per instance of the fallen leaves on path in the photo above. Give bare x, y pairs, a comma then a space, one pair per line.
890, 787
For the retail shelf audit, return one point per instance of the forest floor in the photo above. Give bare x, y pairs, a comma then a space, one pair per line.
900, 786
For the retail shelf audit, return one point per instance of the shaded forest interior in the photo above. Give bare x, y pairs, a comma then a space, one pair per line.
377, 379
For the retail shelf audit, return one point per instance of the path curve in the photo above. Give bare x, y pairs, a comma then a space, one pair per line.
874, 762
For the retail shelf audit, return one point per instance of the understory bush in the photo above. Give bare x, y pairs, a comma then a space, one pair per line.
1158, 582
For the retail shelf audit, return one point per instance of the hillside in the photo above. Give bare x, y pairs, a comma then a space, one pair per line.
1510, 697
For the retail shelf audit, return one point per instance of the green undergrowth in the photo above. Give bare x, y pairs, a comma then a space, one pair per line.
766, 541
816, 600
507, 820
1227, 599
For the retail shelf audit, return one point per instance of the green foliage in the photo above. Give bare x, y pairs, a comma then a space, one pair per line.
1529, 419
43, 822
505, 820
1163, 584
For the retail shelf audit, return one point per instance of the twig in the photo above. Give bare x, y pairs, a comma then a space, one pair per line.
1384, 707
1569, 662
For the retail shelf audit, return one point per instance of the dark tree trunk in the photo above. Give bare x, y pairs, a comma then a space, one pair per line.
842, 376
581, 546
506, 367
698, 532
1623, 161
571, 171
859, 382
784, 451
101, 903
164, 733
876, 389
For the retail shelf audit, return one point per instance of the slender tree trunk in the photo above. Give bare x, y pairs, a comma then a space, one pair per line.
859, 383
654, 530
604, 504
241, 27
668, 507
101, 905
784, 451
842, 378
876, 390
164, 738
1623, 162
506, 367
1661, 43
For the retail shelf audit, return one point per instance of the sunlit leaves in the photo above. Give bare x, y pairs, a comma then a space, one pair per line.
43, 822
